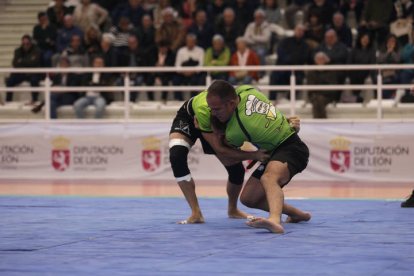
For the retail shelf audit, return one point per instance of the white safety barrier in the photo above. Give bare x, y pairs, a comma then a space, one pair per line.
126, 89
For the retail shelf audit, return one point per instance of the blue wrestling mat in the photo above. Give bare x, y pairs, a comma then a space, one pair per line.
138, 236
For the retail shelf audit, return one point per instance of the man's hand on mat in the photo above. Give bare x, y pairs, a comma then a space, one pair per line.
237, 214
193, 219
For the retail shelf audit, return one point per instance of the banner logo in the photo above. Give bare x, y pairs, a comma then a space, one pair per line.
60, 153
151, 154
340, 154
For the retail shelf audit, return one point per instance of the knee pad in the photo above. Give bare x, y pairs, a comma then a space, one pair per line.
179, 149
236, 173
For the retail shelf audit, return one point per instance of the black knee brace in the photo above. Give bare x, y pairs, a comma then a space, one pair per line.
178, 160
236, 173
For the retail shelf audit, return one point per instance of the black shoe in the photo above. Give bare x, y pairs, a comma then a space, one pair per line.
409, 203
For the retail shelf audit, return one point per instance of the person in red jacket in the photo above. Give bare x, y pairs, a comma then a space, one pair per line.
243, 56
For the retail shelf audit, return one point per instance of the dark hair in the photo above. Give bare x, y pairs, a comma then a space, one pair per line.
222, 89
360, 36
41, 14
26, 36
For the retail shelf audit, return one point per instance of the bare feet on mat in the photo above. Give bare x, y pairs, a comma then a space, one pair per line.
296, 219
192, 219
237, 214
266, 224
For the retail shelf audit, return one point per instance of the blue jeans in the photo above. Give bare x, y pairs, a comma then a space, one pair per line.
81, 104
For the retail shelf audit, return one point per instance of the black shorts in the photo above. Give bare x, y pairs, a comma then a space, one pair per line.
184, 123
293, 151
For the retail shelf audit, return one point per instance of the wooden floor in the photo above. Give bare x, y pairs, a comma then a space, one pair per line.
136, 188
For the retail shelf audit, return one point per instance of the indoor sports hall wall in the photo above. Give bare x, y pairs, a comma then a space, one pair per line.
339, 151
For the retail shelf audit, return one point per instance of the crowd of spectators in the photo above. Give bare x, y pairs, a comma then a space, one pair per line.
134, 33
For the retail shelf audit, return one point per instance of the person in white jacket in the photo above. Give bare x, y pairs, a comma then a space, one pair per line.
258, 34
189, 55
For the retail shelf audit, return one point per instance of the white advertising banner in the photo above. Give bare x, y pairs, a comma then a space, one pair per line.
340, 151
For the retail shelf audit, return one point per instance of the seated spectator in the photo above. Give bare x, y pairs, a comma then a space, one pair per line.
202, 29
57, 12
132, 9
132, 56
89, 14
407, 75
99, 100
402, 17
218, 55
189, 55
390, 54
215, 10
375, 20
291, 51
323, 9
273, 13
121, 33
161, 56
45, 35
363, 53
342, 30
92, 41
243, 57
228, 27
352, 11
295, 11
320, 99
65, 34
170, 30
108, 52
26, 56
337, 53
314, 32
257, 35
157, 12
146, 33
186, 9
244, 11
76, 53
61, 98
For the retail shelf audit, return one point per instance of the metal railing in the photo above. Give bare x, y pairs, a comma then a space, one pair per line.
127, 88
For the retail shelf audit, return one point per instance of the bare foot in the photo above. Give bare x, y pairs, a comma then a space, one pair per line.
192, 220
266, 224
237, 214
296, 219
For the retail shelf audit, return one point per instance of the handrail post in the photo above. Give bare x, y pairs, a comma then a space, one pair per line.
126, 96
208, 79
292, 93
379, 95
47, 97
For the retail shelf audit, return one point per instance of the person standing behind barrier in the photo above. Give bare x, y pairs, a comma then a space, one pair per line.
320, 99
99, 100
26, 56
244, 56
